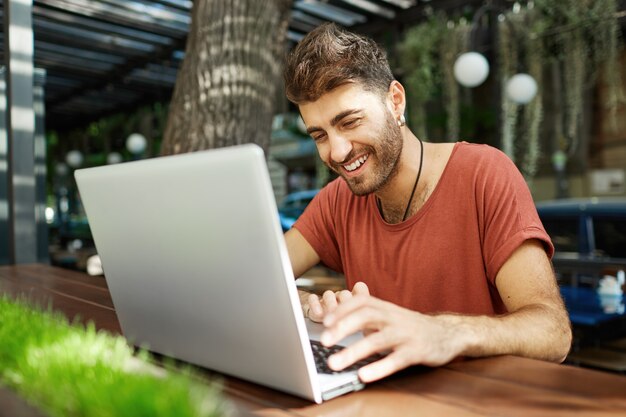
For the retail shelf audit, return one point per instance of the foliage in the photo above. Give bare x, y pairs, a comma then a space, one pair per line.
576, 38
572, 38
533, 111
520, 125
451, 46
428, 52
418, 57
103, 136
109, 134
68, 370
583, 36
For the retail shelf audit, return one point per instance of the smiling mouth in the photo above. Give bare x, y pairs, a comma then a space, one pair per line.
356, 164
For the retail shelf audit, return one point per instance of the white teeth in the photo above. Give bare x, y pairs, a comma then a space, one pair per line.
356, 163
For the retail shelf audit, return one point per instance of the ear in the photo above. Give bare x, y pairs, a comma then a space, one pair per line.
397, 98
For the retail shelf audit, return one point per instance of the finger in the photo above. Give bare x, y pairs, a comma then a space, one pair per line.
390, 364
343, 296
330, 301
316, 312
345, 309
360, 288
367, 332
367, 317
357, 351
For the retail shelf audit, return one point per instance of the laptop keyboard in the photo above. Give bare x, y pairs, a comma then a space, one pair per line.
321, 354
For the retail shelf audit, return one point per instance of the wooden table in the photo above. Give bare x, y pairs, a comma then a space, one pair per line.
499, 386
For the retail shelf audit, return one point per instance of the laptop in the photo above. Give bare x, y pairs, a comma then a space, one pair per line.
197, 267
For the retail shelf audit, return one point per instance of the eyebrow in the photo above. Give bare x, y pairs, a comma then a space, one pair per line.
335, 119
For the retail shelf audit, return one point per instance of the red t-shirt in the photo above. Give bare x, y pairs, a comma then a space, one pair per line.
445, 258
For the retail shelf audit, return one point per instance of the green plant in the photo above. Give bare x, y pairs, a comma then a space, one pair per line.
582, 35
427, 55
450, 47
508, 52
519, 52
572, 40
418, 58
69, 370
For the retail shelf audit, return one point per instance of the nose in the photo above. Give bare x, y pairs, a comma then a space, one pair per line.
340, 148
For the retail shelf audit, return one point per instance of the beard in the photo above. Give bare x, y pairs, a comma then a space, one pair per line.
385, 154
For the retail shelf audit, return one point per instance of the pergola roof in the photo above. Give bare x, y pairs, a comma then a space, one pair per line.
106, 56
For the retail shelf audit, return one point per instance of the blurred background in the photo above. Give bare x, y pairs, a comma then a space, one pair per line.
92, 82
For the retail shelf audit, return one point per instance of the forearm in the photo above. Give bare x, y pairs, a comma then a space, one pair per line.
537, 331
537, 325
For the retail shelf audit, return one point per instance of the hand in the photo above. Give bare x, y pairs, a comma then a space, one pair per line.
319, 308
409, 337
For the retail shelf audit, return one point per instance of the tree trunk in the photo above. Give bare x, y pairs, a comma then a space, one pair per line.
227, 85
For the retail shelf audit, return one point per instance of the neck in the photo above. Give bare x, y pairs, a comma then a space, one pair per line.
394, 197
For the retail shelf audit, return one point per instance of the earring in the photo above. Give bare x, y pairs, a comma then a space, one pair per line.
401, 121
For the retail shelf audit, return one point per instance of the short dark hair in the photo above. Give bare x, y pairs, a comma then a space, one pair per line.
329, 57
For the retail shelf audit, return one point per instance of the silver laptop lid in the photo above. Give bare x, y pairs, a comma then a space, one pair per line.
196, 263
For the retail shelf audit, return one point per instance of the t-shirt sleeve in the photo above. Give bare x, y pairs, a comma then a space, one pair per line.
317, 226
507, 210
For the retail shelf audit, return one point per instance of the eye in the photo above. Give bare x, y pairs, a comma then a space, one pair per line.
319, 136
348, 124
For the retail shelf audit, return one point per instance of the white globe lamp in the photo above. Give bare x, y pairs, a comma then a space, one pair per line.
61, 169
521, 88
114, 158
471, 69
74, 158
136, 143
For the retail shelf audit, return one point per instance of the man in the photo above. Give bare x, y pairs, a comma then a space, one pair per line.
440, 244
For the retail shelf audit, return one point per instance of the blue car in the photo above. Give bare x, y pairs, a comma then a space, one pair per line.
591, 227
589, 237
293, 205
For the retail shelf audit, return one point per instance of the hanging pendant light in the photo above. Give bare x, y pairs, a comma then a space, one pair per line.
471, 69
521, 88
136, 143
74, 158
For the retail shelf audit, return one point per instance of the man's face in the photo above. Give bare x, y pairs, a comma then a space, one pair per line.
356, 135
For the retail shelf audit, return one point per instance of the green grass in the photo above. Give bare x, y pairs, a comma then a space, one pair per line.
69, 370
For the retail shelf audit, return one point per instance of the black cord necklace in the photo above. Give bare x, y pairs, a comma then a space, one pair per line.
419, 173
417, 179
